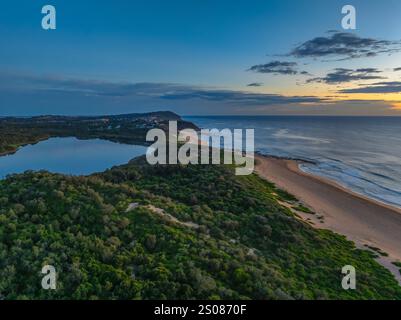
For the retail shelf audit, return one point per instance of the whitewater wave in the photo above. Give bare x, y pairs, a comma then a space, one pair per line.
355, 180
285, 133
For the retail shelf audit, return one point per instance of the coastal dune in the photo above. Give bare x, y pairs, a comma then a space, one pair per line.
362, 220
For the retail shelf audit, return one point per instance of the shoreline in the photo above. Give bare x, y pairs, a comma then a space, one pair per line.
365, 221
325, 179
14, 151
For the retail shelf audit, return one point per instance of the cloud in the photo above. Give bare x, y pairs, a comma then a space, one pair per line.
341, 75
397, 69
124, 90
255, 84
34, 95
165, 91
276, 67
30, 92
379, 87
239, 97
95, 88
345, 46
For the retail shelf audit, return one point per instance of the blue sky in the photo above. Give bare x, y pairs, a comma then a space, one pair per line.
195, 45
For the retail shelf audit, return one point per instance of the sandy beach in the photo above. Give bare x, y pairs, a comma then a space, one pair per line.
362, 220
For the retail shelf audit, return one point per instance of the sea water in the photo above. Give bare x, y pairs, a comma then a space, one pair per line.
360, 153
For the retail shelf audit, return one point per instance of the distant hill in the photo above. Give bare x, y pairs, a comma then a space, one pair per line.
159, 115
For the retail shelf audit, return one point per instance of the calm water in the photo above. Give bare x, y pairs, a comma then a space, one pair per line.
361, 153
69, 156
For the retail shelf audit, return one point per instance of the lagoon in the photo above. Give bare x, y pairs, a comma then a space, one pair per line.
69, 156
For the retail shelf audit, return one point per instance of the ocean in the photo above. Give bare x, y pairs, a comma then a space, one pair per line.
360, 153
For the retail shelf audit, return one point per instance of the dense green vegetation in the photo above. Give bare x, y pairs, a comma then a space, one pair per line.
231, 239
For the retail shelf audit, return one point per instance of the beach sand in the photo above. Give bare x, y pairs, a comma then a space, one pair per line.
364, 221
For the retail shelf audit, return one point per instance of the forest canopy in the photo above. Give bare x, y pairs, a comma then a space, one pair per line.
170, 232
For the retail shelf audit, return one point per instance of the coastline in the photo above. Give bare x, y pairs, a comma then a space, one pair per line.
366, 222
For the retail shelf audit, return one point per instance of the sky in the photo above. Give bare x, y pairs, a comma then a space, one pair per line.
200, 57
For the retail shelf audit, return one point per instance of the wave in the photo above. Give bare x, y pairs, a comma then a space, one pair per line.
284, 133
354, 180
